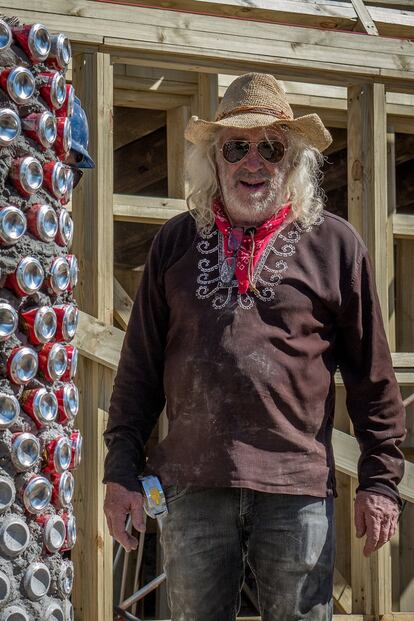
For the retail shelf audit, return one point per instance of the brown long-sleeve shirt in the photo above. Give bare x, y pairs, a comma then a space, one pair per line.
249, 380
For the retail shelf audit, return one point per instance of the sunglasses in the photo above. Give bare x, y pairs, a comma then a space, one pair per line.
234, 151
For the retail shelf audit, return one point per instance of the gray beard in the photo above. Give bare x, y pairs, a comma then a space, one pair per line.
255, 210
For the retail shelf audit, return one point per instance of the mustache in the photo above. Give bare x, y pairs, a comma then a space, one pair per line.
247, 176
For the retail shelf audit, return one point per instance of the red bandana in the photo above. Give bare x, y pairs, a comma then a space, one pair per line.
262, 235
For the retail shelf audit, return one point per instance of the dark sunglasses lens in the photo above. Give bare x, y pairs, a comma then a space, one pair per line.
77, 176
235, 150
272, 150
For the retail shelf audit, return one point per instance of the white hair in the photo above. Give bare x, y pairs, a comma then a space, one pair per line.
303, 181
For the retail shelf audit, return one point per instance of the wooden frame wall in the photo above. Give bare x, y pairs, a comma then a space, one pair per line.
371, 69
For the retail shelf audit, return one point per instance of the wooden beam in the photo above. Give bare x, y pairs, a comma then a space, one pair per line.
403, 226
140, 163
133, 124
122, 305
150, 100
207, 96
177, 119
93, 244
99, 342
146, 209
367, 177
342, 593
365, 17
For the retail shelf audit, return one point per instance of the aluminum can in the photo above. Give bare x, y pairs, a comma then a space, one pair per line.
13, 225
9, 321
55, 178
54, 531
64, 236
71, 533
7, 494
14, 535
36, 581
67, 321
10, 125
36, 494
69, 104
63, 488
73, 271
58, 280
14, 613
42, 221
41, 127
34, 39
5, 587
9, 410
57, 455
63, 142
52, 87
6, 37
53, 361
25, 451
39, 324
68, 402
67, 197
60, 53
72, 357
26, 175
40, 405
53, 612
27, 278
77, 441
65, 579
18, 83
22, 365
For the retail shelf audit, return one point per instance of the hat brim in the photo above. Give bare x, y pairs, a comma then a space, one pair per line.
309, 126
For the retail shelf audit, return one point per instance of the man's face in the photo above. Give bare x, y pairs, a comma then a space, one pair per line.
252, 188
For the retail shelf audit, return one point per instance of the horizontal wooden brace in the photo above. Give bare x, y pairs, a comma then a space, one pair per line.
403, 226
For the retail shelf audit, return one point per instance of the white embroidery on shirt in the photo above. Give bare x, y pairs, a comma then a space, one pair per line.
266, 273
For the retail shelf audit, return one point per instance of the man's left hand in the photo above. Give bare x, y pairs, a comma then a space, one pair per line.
377, 517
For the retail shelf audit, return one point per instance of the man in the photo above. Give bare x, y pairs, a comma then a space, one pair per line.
247, 306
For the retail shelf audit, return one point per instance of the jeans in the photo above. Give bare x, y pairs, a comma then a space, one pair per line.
288, 542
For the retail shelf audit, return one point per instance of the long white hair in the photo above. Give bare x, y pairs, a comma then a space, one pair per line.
302, 187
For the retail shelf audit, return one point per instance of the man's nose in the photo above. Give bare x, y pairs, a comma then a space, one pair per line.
253, 162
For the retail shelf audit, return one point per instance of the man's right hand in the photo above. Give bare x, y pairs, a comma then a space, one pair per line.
119, 502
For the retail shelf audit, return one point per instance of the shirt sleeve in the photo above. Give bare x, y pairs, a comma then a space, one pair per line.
138, 395
373, 396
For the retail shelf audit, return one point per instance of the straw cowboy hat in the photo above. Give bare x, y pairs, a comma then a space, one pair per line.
258, 100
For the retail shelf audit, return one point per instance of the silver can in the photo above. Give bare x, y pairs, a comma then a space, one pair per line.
54, 612
6, 37
7, 494
28, 276
40, 405
36, 581
65, 234
65, 579
9, 410
19, 83
5, 588
60, 275
14, 535
12, 225
10, 126
37, 494
22, 365
63, 488
25, 451
14, 613
41, 126
54, 533
9, 321
60, 52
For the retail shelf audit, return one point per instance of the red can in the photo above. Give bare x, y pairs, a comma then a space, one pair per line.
27, 278
54, 531
67, 321
77, 442
22, 365
55, 178
68, 106
71, 534
60, 52
40, 405
73, 271
72, 356
63, 488
40, 127
68, 402
26, 175
39, 324
64, 235
52, 87
53, 361
58, 279
64, 137
58, 455
34, 39
18, 83
42, 221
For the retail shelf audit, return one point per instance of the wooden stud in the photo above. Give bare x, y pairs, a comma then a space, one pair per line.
177, 119
391, 211
207, 96
93, 243
365, 17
